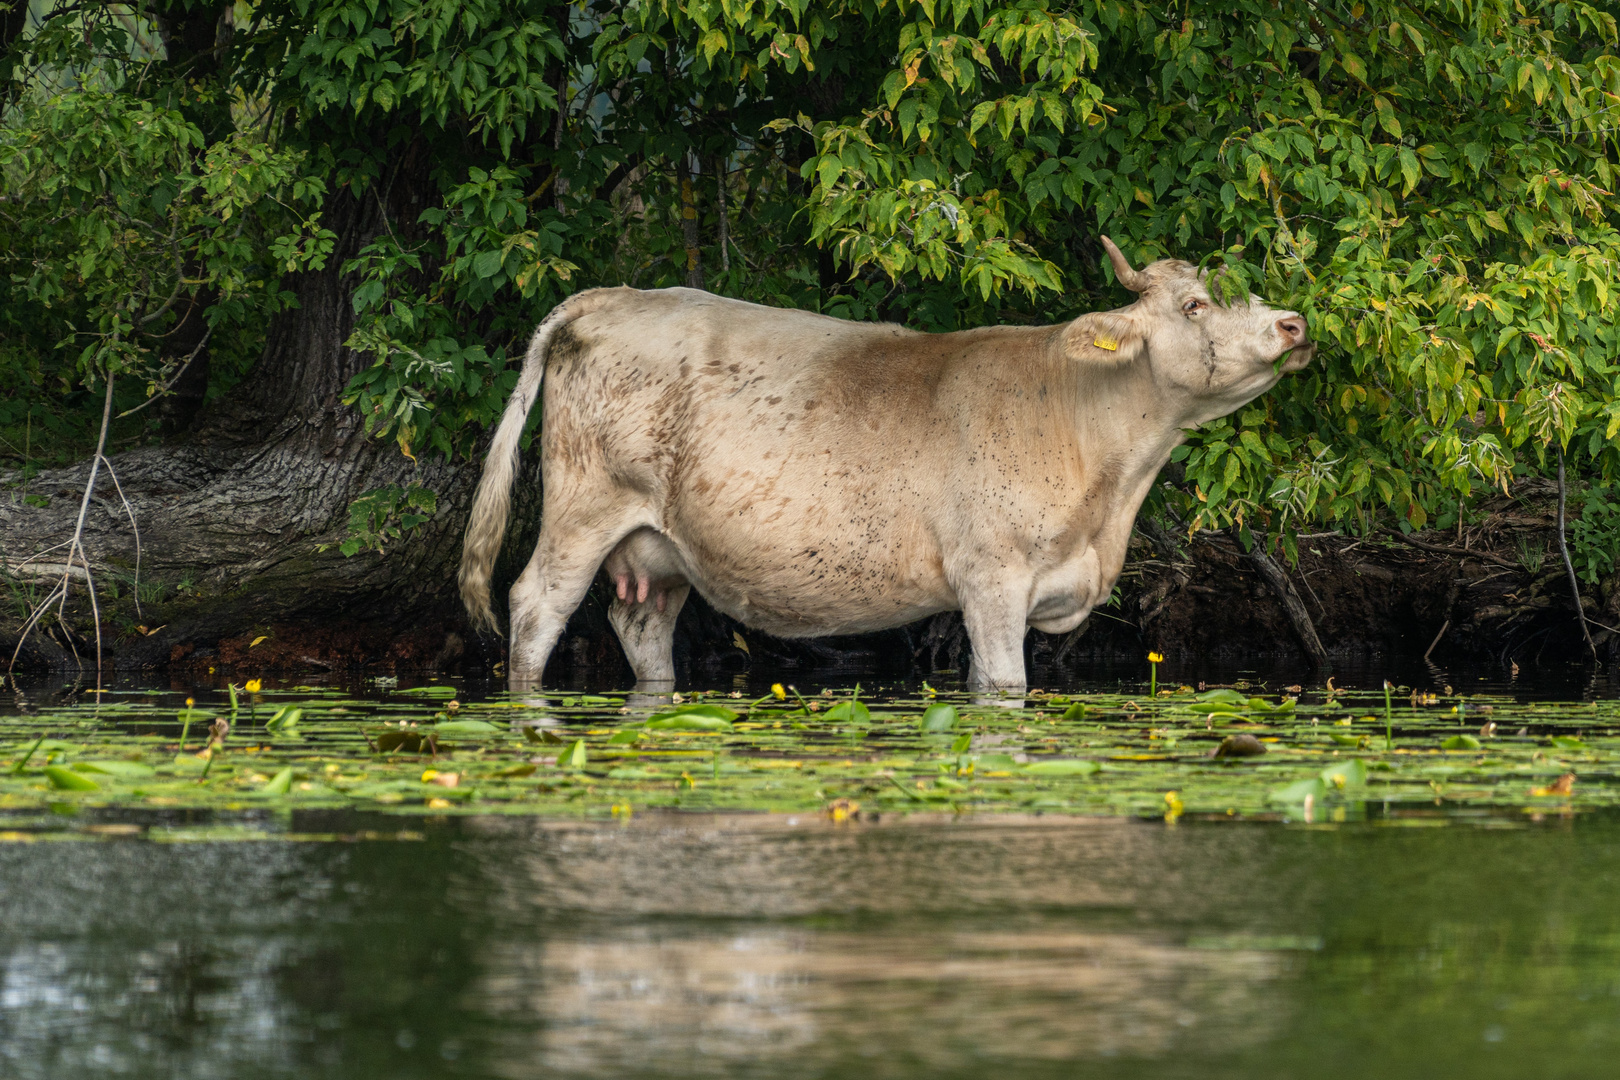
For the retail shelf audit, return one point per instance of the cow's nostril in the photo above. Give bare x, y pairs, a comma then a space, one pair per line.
1293, 329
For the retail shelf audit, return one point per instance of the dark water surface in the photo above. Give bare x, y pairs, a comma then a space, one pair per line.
772, 946
358, 945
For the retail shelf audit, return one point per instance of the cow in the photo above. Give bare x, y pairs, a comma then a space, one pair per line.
812, 476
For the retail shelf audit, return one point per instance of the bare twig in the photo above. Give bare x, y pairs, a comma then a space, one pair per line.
166, 387
59, 593
134, 528
1569, 567
1442, 549
1443, 628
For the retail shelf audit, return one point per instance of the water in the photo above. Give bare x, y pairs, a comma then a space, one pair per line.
1425, 941
769, 946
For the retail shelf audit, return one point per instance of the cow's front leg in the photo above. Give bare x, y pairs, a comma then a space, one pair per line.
994, 618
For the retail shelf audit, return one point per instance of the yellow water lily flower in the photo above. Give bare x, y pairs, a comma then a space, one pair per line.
255, 685
1155, 658
778, 691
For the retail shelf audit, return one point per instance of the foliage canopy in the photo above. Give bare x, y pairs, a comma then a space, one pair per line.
1430, 181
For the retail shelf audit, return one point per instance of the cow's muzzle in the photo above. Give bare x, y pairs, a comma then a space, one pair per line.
1295, 336
1300, 358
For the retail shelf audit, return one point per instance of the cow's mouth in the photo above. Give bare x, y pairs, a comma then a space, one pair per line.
1297, 358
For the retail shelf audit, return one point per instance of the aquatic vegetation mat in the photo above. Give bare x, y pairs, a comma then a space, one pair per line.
1232, 752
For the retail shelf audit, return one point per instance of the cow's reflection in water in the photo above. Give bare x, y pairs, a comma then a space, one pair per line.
682, 964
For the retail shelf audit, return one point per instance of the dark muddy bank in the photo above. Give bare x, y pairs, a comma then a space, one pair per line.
1492, 596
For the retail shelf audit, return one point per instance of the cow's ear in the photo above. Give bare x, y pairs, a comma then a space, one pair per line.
1103, 337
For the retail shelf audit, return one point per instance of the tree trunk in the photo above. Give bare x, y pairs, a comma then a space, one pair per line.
231, 520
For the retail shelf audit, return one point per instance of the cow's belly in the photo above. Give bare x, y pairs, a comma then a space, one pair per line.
809, 549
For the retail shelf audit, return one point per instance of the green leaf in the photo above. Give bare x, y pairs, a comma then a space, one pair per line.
939, 717
849, 712
465, 729
574, 756
1065, 767
1460, 742
67, 780
1298, 791
1410, 169
1386, 115
285, 719
688, 722
432, 691
279, 784
122, 770
1345, 774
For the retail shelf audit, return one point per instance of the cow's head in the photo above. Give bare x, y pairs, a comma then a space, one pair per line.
1218, 357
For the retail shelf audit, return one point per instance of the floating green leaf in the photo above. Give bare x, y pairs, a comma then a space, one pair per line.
465, 729
122, 770
67, 780
1300, 790
434, 691
1065, 767
939, 717
1345, 774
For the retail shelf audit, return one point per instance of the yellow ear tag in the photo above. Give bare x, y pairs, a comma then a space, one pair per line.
1107, 343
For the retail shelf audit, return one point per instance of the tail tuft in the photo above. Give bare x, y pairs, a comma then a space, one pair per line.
486, 526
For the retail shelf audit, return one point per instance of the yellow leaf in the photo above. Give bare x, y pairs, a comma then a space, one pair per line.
258, 639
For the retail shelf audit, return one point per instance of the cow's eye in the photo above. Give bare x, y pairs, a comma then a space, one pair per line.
1193, 305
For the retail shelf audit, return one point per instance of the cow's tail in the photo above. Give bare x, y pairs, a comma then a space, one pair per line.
486, 527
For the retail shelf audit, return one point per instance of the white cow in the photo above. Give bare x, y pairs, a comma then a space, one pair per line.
814, 476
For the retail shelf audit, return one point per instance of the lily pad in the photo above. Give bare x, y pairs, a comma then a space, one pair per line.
67, 780
432, 691
689, 723
1065, 767
1298, 791
849, 712
1461, 742
1346, 774
122, 770
939, 717
465, 729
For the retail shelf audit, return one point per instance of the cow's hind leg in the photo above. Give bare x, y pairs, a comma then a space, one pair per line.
559, 574
647, 632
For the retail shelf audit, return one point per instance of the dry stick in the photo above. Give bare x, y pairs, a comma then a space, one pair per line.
84, 510
1443, 628
59, 593
1569, 567
1461, 553
136, 529
1292, 604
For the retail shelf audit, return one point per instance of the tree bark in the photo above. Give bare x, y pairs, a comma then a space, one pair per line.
238, 511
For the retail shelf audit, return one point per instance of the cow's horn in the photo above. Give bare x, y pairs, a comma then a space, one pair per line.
1133, 280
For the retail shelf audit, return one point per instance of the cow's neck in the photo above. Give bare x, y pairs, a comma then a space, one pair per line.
1125, 427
